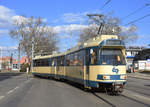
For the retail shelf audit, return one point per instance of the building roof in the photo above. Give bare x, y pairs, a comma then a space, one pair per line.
6, 58
143, 55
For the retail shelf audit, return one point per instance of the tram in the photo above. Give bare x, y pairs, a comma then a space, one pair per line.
98, 63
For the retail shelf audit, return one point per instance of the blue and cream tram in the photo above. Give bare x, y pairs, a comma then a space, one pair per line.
97, 63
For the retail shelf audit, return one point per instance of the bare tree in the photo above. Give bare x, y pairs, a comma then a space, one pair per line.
88, 33
129, 34
25, 29
109, 26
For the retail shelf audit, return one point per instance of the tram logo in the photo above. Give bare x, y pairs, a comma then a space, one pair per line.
115, 70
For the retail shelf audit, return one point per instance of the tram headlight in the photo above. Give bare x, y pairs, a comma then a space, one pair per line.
124, 77
106, 77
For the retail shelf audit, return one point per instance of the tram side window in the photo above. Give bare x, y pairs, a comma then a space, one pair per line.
35, 63
67, 60
45, 62
42, 62
60, 61
81, 58
78, 58
71, 58
87, 57
93, 54
75, 59
38, 63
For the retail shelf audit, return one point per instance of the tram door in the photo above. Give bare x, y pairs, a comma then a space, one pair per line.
87, 66
91, 59
53, 67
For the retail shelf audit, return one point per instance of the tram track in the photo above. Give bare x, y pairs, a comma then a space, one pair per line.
137, 101
103, 99
137, 91
120, 100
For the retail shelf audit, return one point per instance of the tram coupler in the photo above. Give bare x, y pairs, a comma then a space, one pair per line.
117, 87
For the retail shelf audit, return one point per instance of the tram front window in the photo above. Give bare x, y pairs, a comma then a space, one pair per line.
112, 57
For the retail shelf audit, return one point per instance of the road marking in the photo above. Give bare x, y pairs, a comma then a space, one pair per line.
1, 97
9, 91
12, 90
16, 88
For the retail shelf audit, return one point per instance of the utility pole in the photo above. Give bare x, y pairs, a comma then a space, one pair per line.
19, 57
32, 52
100, 30
11, 61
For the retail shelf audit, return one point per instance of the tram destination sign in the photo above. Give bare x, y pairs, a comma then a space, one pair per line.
113, 42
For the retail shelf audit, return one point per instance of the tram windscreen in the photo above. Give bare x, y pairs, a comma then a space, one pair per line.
112, 57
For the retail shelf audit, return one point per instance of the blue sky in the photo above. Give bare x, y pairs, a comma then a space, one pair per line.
62, 13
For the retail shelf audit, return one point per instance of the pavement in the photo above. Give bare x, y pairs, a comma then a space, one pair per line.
140, 75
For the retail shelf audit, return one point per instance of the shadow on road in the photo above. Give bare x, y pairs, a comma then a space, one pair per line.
73, 84
8, 75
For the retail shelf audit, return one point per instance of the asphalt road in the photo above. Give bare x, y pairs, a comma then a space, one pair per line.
139, 85
18, 91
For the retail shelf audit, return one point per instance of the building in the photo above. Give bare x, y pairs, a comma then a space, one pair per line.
9, 63
24, 60
131, 52
6, 63
142, 60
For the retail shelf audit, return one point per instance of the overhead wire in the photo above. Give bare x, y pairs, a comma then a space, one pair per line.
137, 19
137, 10
106, 3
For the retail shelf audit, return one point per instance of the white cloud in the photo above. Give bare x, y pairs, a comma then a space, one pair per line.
13, 47
5, 17
19, 19
8, 48
143, 40
128, 28
8, 18
69, 28
73, 17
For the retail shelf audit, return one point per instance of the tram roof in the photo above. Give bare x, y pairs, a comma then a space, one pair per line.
42, 57
49, 56
92, 42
